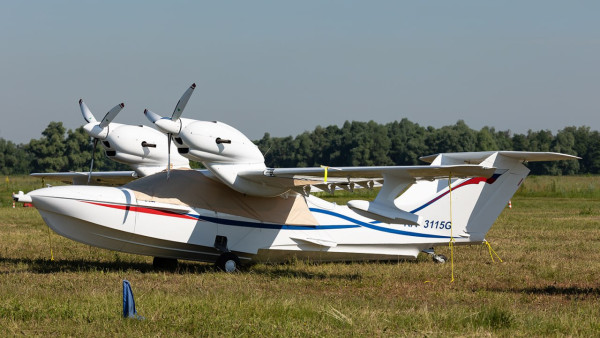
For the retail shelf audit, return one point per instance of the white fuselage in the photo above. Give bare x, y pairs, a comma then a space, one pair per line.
115, 219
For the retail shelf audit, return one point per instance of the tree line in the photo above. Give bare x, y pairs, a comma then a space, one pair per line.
57, 150
353, 144
403, 142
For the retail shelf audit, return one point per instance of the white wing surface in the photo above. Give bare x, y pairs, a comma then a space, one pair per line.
394, 179
98, 178
347, 177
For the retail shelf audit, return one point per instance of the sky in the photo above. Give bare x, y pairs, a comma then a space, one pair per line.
285, 67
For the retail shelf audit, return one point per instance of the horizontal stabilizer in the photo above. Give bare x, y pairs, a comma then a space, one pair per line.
479, 156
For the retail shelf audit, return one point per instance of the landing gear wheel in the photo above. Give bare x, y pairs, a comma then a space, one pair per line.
439, 259
228, 262
161, 263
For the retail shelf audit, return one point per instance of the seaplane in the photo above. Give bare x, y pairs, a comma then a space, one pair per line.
237, 210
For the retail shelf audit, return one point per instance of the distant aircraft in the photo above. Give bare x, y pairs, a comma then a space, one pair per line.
238, 210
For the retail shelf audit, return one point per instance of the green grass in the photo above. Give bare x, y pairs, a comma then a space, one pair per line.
559, 186
546, 285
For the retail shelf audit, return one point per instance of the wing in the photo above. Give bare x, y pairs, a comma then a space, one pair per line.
328, 178
98, 177
394, 179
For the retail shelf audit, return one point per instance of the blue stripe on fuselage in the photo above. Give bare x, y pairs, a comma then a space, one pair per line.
375, 227
357, 224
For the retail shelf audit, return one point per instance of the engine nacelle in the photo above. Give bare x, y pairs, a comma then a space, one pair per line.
94, 130
225, 151
141, 147
222, 149
216, 142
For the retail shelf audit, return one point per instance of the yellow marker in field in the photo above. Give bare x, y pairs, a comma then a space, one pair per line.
50, 239
451, 244
492, 250
325, 177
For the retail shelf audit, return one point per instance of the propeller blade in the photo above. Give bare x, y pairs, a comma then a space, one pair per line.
85, 111
111, 115
168, 155
153, 117
92, 164
164, 124
182, 103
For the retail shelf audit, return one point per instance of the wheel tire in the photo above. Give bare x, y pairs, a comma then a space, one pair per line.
441, 259
161, 263
228, 262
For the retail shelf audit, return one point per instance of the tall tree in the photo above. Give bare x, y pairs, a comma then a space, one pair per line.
407, 142
78, 150
486, 139
49, 151
564, 142
13, 158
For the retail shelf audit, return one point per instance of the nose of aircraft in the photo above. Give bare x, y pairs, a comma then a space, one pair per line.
61, 199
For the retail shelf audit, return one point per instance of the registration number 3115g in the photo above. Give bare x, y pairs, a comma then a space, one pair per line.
437, 224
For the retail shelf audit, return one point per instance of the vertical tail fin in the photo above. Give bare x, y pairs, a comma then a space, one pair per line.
476, 202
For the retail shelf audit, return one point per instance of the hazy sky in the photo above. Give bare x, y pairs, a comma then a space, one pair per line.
285, 67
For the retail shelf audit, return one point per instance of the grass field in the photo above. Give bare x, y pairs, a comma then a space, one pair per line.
547, 284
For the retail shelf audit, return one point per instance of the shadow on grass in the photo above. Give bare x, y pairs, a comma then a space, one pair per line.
295, 268
47, 266
289, 271
281, 270
552, 290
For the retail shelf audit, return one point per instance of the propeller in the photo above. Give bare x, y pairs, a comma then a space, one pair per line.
97, 130
172, 125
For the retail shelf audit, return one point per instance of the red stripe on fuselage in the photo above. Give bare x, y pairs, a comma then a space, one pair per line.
475, 180
143, 210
